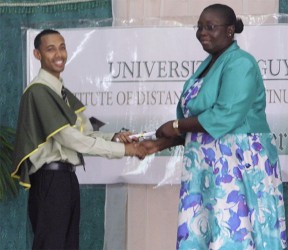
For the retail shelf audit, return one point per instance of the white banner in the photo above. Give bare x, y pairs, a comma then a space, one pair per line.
132, 78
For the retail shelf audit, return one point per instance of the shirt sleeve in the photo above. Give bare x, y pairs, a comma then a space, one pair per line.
236, 94
73, 139
104, 135
88, 129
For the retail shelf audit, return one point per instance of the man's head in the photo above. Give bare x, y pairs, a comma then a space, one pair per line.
50, 50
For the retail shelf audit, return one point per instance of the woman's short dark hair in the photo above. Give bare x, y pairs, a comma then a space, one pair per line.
37, 40
228, 14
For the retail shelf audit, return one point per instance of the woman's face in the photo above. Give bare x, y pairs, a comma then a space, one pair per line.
214, 34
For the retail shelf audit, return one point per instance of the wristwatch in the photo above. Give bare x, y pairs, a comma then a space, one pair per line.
175, 124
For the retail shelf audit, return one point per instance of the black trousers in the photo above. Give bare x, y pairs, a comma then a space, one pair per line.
54, 209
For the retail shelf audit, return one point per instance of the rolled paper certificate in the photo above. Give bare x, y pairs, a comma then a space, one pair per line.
143, 136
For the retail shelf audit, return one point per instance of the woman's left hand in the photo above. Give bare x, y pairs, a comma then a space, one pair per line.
167, 130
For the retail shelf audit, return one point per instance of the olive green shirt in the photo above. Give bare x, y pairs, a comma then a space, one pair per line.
62, 143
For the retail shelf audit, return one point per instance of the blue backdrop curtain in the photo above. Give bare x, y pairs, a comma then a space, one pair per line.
15, 229
283, 6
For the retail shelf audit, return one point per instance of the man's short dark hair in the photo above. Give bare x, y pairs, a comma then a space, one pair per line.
37, 40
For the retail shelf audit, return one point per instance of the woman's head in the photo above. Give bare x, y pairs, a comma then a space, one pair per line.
216, 27
228, 15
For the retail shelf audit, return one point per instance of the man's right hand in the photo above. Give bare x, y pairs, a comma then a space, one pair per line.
135, 149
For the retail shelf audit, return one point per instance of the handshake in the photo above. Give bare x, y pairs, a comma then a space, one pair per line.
146, 143
139, 145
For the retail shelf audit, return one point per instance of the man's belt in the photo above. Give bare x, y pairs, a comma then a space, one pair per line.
59, 166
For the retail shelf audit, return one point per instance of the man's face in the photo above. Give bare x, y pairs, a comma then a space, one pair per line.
52, 54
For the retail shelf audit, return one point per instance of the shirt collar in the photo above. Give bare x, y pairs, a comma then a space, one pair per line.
49, 80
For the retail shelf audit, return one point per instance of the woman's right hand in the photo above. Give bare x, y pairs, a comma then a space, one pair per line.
135, 149
152, 146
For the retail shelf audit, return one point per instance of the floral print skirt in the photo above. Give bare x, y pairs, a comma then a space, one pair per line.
231, 194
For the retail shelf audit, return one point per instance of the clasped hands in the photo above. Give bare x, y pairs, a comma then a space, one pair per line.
166, 137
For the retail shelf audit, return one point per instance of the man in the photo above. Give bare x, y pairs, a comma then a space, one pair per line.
52, 133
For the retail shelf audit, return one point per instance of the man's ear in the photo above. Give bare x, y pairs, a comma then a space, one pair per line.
37, 54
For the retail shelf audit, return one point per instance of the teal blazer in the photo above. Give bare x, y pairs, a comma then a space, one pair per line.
232, 97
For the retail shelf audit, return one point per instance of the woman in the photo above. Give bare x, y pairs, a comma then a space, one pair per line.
231, 190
